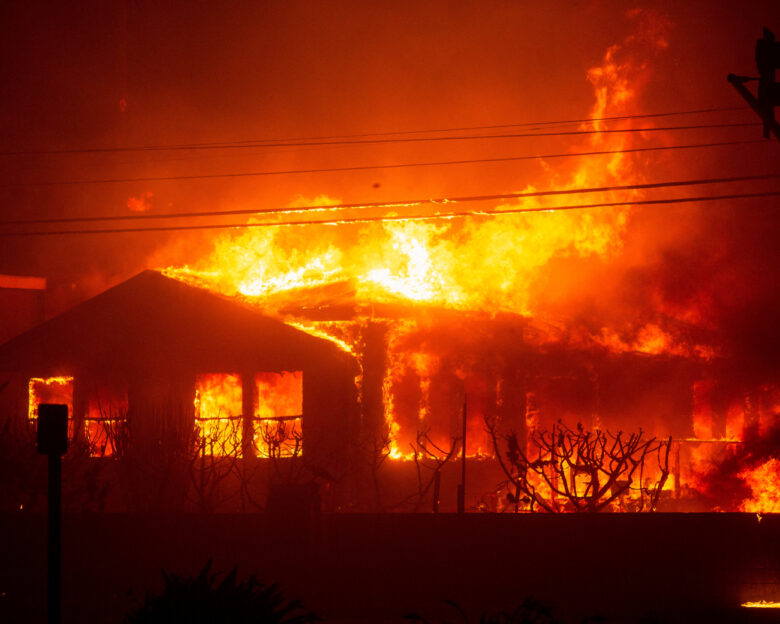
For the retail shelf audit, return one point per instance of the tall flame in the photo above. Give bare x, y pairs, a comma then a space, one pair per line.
480, 264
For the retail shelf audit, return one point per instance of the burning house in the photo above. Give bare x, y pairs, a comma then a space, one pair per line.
373, 402
379, 342
153, 349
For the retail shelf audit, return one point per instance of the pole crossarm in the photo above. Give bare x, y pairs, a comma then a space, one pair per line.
752, 100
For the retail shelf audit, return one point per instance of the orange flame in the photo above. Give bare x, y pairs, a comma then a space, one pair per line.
761, 604
278, 425
49, 390
106, 415
218, 409
764, 483
484, 264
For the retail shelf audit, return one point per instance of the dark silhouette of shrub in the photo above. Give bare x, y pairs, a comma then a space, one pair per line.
202, 600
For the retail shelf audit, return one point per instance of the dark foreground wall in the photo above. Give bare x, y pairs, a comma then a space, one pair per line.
375, 568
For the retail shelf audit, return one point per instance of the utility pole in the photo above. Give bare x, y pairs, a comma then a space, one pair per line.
53, 441
767, 62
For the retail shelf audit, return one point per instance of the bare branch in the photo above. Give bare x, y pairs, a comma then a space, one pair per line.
578, 470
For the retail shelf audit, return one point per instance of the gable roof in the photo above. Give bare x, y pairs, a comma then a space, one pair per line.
156, 324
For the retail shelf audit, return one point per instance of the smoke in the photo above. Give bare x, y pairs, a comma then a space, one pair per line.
728, 273
703, 277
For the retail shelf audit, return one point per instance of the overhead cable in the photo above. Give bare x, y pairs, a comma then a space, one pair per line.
390, 218
402, 202
247, 174
231, 146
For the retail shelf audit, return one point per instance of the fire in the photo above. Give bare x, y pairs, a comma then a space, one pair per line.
764, 484
341, 334
278, 425
761, 604
50, 390
277, 413
479, 264
483, 265
704, 418
475, 264
653, 340
459, 266
218, 408
105, 421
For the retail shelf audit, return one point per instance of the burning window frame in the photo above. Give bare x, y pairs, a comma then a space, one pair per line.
34, 398
110, 424
210, 439
276, 444
81, 423
276, 427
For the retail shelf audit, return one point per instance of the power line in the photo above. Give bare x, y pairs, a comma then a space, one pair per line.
245, 174
223, 146
355, 220
496, 126
425, 131
405, 202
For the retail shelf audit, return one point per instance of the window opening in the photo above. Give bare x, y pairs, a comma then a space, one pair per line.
278, 417
218, 413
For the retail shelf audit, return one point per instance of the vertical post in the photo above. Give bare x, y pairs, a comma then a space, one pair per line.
462, 486
372, 410
436, 491
677, 492
767, 57
247, 411
54, 581
53, 442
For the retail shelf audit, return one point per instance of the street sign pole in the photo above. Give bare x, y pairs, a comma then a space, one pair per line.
53, 442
